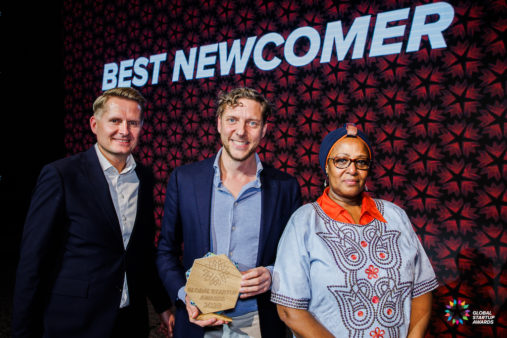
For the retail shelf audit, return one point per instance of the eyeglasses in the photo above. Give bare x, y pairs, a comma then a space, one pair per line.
344, 162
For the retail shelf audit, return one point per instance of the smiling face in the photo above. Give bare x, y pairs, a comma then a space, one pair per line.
117, 129
346, 185
241, 129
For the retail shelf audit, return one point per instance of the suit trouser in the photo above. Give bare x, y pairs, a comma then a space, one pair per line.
246, 325
129, 324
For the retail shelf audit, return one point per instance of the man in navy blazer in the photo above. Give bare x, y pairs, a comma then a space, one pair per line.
231, 204
87, 260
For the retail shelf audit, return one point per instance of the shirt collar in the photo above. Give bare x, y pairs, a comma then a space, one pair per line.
106, 165
334, 210
370, 207
217, 180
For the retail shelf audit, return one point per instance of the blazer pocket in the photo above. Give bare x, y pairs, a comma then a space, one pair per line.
70, 287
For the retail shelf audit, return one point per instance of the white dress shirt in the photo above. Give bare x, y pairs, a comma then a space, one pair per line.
124, 188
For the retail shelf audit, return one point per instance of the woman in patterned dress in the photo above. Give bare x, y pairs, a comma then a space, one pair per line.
349, 265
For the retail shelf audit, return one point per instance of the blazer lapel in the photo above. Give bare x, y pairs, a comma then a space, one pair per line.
269, 197
100, 188
142, 200
203, 189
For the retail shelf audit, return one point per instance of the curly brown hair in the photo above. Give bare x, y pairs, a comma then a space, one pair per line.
231, 98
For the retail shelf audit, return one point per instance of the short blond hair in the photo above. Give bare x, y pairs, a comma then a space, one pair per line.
123, 92
231, 98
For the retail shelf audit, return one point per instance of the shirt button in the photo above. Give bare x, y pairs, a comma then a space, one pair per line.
235, 204
230, 253
124, 218
233, 228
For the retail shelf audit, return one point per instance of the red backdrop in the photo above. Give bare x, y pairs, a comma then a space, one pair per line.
436, 117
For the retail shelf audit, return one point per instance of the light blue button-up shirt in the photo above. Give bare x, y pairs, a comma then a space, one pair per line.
235, 226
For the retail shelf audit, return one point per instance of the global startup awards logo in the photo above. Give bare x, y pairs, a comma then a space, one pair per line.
457, 311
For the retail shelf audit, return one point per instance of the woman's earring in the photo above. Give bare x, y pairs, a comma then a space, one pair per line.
325, 183
365, 187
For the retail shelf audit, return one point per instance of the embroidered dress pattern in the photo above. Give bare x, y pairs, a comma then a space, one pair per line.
291, 302
358, 281
373, 294
377, 333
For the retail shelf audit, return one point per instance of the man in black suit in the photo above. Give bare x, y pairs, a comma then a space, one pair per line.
87, 255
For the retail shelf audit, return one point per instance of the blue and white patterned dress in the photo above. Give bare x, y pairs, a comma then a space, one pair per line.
356, 280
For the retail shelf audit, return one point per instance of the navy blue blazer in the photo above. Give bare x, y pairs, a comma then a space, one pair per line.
186, 220
72, 262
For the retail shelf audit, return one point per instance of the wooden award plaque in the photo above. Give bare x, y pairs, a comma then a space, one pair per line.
213, 285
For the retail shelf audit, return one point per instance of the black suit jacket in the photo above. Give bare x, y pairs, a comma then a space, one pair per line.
187, 213
72, 263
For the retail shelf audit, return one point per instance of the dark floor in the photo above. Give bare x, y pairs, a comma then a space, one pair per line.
5, 306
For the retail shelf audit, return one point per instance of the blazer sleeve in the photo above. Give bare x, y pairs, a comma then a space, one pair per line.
155, 291
42, 237
169, 251
296, 193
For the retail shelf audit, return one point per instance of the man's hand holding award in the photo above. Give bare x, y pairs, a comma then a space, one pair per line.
213, 286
